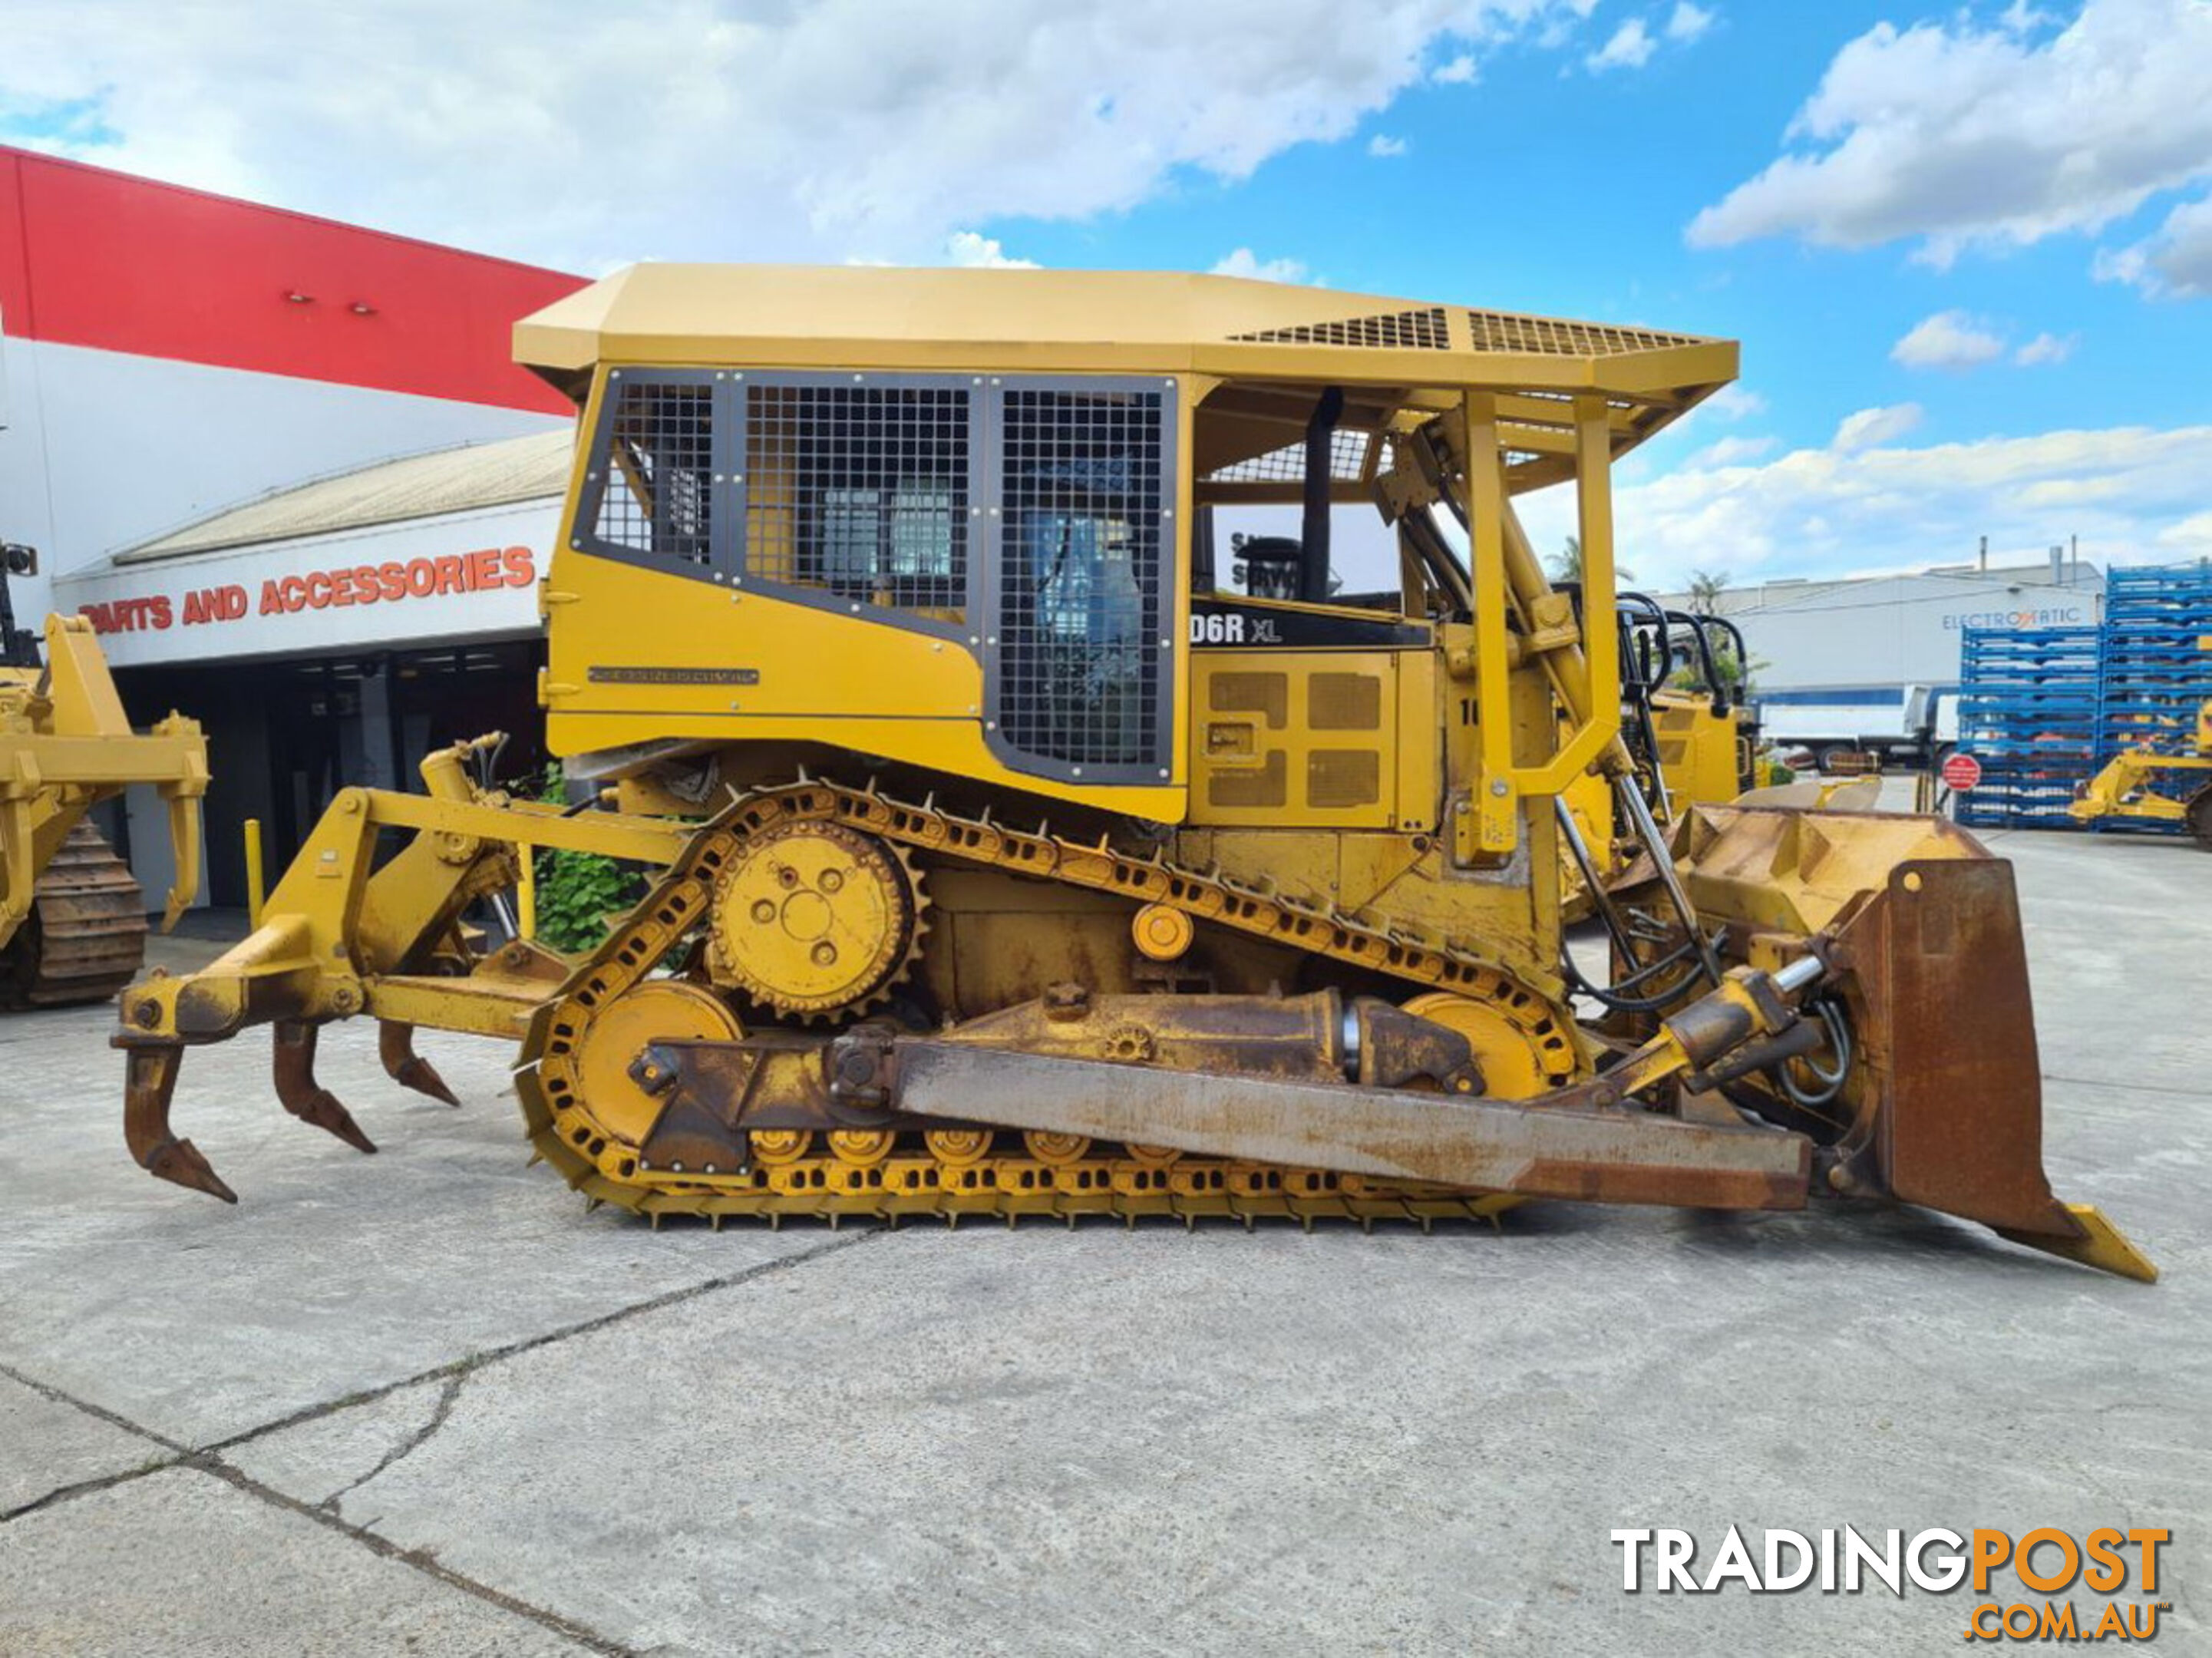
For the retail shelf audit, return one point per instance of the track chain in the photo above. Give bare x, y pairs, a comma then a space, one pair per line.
910, 1183
85, 937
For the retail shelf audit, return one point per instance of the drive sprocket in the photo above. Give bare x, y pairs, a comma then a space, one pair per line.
817, 919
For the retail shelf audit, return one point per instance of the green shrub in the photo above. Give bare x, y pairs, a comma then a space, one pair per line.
578, 891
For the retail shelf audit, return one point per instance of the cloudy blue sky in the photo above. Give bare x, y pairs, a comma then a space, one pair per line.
1968, 248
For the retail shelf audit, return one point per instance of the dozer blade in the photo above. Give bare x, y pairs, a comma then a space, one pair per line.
1957, 1122
1944, 1104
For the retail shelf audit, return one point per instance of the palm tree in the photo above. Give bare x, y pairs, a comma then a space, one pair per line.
1567, 565
1706, 587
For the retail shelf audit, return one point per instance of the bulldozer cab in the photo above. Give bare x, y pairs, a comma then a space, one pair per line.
997, 493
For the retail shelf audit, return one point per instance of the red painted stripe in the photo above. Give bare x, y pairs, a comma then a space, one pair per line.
97, 258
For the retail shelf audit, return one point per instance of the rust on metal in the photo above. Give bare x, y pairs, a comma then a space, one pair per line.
300, 1095
150, 1081
1959, 1128
1561, 1148
395, 1047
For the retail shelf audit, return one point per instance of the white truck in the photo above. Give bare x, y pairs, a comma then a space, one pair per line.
1851, 736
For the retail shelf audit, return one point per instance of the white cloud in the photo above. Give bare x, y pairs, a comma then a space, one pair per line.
2183, 257
1961, 135
2131, 492
1244, 263
583, 135
1688, 22
2045, 349
1382, 144
1949, 339
1458, 71
1730, 451
2190, 538
2175, 261
980, 253
1871, 427
1734, 402
1631, 47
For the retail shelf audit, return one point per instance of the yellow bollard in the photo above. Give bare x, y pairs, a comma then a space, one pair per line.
254, 895
525, 894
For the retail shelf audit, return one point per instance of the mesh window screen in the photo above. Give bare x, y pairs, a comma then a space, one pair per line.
1080, 673
860, 491
657, 495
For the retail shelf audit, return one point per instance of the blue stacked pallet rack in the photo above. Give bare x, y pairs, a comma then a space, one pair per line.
2043, 708
2027, 711
2157, 664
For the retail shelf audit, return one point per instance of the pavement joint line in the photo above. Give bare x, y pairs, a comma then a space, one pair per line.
208, 1457
422, 1560
181, 1453
472, 1362
59, 1397
62, 1494
211, 1462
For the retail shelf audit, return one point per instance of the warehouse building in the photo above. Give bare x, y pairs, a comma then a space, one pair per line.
289, 469
1849, 656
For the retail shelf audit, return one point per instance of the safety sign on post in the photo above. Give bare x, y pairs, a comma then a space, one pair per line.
1962, 772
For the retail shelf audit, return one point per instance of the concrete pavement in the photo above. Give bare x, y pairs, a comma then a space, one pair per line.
425, 1402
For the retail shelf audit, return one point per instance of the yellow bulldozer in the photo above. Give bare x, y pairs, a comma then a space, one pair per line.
1688, 729
72, 919
2157, 781
1011, 852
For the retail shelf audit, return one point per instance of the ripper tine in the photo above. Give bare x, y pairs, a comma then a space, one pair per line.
300, 1095
395, 1046
149, 1082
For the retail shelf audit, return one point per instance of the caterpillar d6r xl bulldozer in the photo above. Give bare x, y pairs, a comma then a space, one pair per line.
1006, 856
72, 920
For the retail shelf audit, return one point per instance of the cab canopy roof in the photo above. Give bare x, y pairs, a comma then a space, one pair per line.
1110, 322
